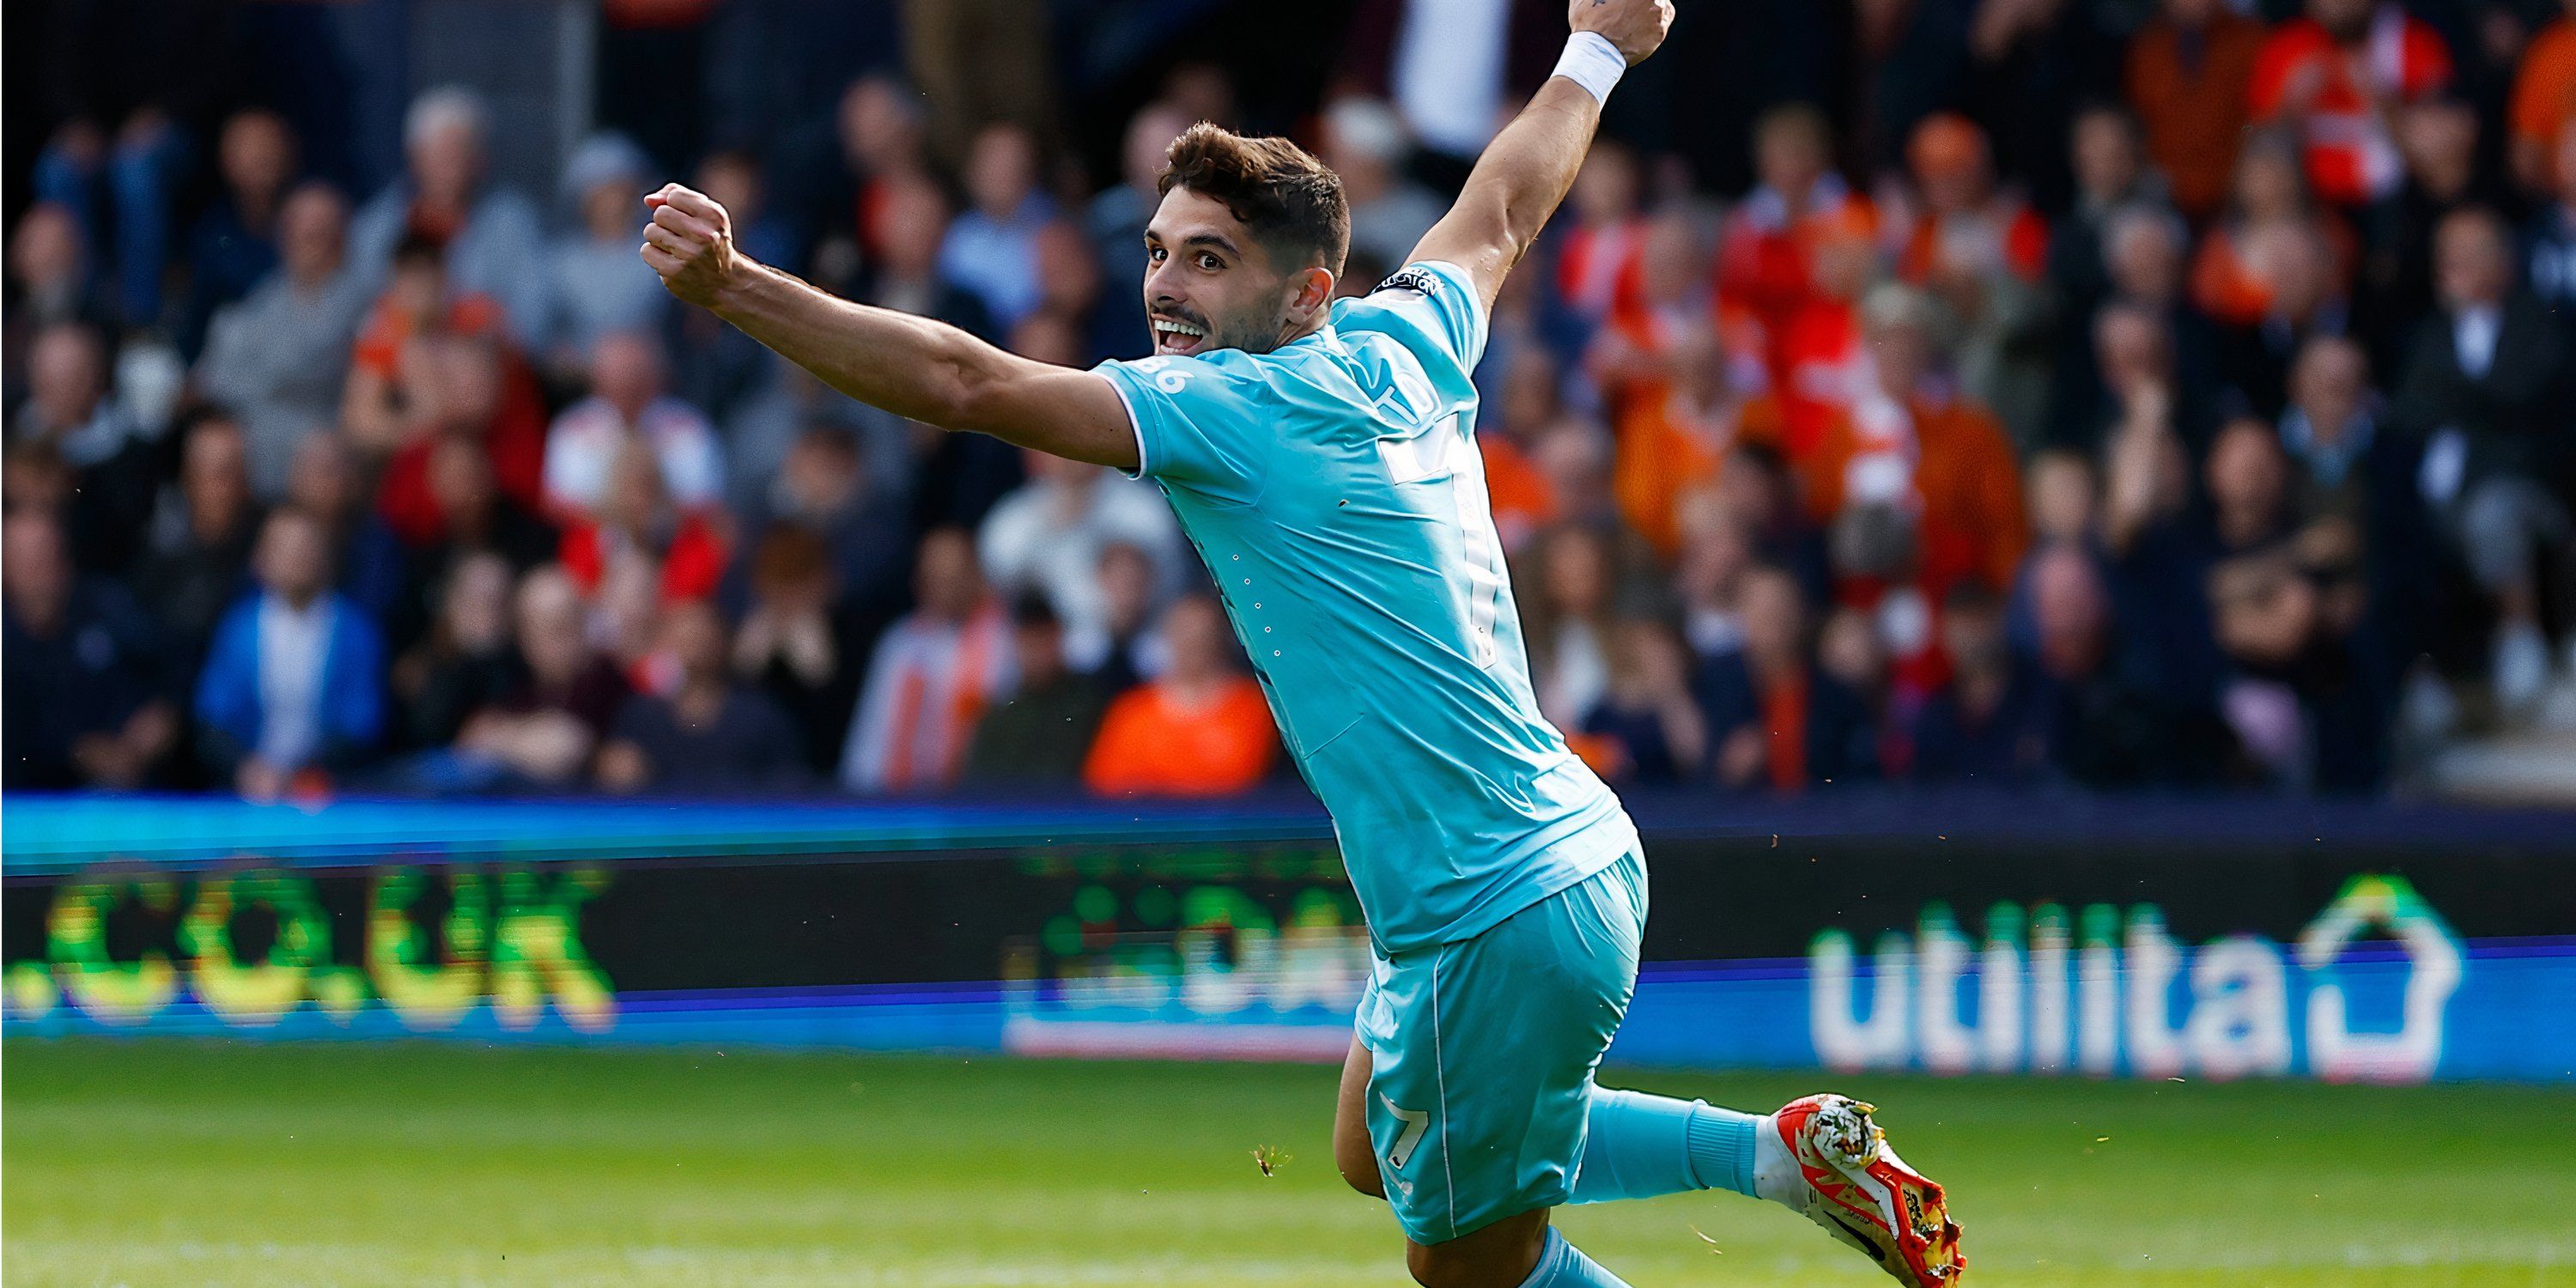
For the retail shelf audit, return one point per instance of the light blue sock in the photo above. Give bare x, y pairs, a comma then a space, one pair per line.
1562, 1265
1638, 1146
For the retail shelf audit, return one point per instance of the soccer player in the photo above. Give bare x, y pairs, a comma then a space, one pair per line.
1320, 457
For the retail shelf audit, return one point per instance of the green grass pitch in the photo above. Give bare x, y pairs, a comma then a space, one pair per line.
158, 1162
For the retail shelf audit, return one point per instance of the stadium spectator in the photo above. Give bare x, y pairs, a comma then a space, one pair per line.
278, 356
2346, 469
638, 534
2111, 180
70, 410
1912, 444
2229, 280
235, 242
1767, 253
2188, 72
1983, 253
2394, 290
464, 663
909, 274
2303, 704
2303, 296
627, 406
934, 672
2108, 725
197, 555
991, 249
2488, 388
592, 288
1984, 727
1048, 537
1820, 363
322, 483
138, 171
49, 277
796, 645
491, 237
1042, 736
824, 487
1646, 729
1127, 648
1201, 728
293, 687
1774, 722
2544, 106
545, 728
708, 734
87, 691
1598, 249
1569, 588
1675, 436
2331, 73
877, 127
1365, 142
1708, 577
403, 377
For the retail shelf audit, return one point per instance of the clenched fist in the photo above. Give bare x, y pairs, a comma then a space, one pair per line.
1635, 27
690, 243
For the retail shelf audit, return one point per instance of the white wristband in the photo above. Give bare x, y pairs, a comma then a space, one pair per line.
1591, 61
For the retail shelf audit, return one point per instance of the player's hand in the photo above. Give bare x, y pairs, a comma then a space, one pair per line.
1636, 27
690, 243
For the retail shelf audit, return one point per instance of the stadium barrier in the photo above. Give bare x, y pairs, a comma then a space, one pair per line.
2076, 937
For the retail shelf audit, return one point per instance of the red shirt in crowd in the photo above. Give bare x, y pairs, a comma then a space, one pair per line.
2337, 97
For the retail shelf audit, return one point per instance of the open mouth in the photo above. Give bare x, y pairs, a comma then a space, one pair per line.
1172, 335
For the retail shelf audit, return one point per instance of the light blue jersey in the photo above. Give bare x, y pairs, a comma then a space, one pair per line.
1334, 489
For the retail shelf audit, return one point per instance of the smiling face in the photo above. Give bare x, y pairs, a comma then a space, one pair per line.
1243, 251
1210, 284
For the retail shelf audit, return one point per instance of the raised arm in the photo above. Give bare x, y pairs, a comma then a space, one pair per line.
1528, 168
915, 367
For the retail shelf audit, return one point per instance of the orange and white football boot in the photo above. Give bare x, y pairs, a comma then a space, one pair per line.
1863, 1194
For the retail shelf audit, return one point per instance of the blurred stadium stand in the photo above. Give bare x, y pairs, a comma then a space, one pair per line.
2101, 539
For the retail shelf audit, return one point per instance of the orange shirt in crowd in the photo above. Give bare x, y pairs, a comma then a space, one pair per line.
2301, 71
1951, 462
2013, 235
1523, 500
2189, 90
1152, 744
2225, 285
2544, 95
1669, 447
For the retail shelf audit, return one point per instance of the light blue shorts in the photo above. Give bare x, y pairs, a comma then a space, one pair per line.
1482, 1053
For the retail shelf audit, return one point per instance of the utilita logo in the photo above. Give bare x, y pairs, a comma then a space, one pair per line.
2107, 992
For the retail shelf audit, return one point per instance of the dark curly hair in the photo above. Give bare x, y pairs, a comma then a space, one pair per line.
1290, 201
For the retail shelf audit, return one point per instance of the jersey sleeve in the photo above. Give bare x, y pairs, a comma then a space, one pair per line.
1437, 301
1198, 423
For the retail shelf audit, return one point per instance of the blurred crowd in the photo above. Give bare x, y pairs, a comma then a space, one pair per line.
2126, 394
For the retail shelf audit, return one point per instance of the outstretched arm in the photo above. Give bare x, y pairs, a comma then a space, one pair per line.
915, 367
1528, 168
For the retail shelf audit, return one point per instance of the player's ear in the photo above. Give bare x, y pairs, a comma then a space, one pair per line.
1314, 291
